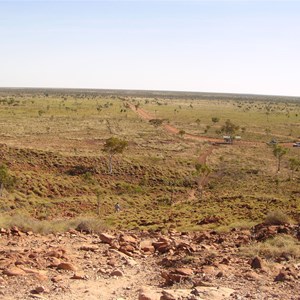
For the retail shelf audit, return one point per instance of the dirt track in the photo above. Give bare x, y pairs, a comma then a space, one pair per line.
173, 130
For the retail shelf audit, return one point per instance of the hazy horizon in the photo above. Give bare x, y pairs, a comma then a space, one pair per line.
239, 47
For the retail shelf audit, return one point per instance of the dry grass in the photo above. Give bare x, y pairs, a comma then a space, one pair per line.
154, 178
280, 246
27, 223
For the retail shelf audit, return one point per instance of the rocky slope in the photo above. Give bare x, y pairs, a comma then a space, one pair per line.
144, 266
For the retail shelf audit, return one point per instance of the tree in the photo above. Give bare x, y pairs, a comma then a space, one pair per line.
229, 128
279, 152
112, 147
6, 180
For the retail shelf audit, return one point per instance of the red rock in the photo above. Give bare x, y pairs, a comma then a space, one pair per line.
171, 278
184, 271
112, 262
66, 266
89, 248
79, 276
167, 296
58, 253
54, 262
117, 273
127, 248
14, 271
146, 294
161, 246
39, 290
3, 231
128, 239
56, 278
106, 238
147, 246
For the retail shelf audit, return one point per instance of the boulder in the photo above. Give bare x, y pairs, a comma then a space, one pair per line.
106, 238
147, 246
128, 239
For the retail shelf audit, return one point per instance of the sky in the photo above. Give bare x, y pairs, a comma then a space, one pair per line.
225, 46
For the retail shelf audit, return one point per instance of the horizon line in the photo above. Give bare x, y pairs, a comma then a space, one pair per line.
145, 90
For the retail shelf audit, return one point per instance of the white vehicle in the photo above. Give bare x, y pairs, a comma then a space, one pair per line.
297, 144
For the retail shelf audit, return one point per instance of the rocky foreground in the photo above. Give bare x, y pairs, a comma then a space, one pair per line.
144, 266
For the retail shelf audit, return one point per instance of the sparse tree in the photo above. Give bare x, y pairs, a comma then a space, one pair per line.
112, 147
279, 152
229, 128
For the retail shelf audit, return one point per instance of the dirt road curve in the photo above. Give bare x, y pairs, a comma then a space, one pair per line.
173, 130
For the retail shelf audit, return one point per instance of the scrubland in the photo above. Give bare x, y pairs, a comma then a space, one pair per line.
52, 141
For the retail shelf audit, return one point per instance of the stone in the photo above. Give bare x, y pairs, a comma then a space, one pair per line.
184, 271
128, 239
127, 248
147, 246
79, 276
147, 294
39, 290
117, 273
161, 247
106, 238
66, 266
14, 271
167, 296
56, 278
92, 248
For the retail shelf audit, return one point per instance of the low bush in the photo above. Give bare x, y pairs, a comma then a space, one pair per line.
277, 218
280, 246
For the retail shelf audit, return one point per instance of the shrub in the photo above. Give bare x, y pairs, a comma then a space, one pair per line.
276, 218
280, 246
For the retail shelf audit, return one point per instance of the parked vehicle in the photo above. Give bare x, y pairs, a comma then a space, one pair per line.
297, 144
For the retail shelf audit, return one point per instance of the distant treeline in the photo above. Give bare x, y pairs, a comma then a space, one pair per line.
145, 94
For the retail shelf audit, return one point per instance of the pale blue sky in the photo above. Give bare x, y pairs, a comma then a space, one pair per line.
208, 46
